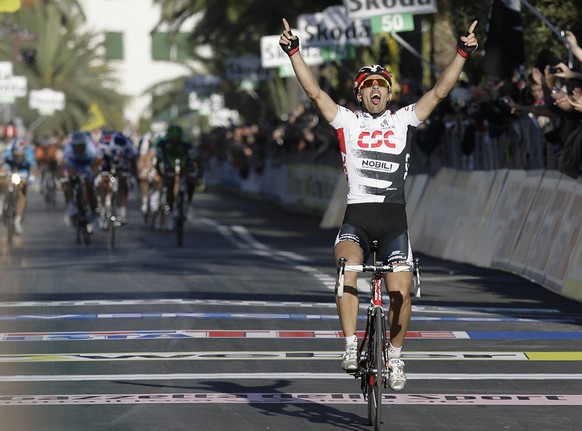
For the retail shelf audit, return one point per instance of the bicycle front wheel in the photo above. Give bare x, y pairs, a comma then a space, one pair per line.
180, 219
113, 222
10, 216
375, 371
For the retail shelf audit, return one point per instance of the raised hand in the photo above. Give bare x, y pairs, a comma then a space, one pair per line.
288, 41
468, 44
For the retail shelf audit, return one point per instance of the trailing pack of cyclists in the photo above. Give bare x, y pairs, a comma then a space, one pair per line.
97, 164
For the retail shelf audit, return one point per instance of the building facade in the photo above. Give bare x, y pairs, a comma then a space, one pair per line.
141, 56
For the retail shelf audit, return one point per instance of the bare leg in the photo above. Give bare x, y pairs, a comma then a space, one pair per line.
347, 305
400, 313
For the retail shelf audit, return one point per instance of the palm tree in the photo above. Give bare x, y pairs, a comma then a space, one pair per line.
63, 59
235, 29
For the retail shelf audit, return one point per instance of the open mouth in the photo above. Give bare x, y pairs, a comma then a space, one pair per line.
375, 98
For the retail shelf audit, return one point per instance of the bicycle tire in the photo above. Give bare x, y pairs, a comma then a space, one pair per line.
50, 191
81, 219
86, 234
180, 220
113, 218
11, 214
375, 371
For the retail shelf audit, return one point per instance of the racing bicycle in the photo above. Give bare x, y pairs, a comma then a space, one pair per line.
48, 184
373, 371
82, 221
180, 204
110, 220
11, 197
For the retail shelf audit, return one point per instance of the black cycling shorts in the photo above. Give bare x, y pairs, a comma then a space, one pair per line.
384, 222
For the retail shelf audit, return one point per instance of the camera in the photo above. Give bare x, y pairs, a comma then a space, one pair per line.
555, 69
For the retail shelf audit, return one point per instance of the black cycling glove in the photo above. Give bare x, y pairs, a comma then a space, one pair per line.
465, 50
292, 47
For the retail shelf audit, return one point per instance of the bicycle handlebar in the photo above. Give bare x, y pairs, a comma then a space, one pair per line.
377, 269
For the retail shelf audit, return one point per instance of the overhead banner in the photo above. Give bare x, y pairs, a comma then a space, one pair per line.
333, 27
367, 9
273, 56
246, 67
47, 101
9, 6
202, 85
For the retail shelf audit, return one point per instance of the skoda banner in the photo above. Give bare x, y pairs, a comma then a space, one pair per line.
333, 27
367, 9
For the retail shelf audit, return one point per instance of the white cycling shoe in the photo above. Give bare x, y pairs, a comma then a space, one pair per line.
350, 359
397, 379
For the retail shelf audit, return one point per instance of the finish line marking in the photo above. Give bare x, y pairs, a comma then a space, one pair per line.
291, 398
268, 376
186, 333
273, 356
273, 334
265, 316
251, 303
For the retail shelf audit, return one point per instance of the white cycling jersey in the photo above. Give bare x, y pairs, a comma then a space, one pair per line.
375, 153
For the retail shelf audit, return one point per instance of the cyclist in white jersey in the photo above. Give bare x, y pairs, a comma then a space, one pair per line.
375, 154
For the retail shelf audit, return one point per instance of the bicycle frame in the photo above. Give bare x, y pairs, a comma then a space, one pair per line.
113, 179
372, 352
84, 227
9, 210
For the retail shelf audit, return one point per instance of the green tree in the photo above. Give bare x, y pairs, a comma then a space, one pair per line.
235, 29
65, 59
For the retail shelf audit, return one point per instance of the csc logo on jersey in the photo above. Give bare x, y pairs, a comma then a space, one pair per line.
376, 139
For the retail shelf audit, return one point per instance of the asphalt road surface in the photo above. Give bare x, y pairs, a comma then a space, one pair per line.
237, 330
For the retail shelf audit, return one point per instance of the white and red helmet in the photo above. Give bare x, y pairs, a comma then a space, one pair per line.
364, 72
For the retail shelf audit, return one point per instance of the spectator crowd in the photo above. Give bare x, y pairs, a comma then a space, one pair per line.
532, 121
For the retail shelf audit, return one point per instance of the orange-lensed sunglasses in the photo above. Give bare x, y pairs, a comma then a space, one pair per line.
369, 82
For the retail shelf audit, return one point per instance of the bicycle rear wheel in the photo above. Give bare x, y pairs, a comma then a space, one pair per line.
180, 219
375, 371
113, 222
10, 212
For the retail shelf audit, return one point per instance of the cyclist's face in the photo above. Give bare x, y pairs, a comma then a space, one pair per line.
79, 149
18, 155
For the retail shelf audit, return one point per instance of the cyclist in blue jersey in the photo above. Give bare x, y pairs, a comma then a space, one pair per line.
18, 158
375, 154
115, 152
79, 157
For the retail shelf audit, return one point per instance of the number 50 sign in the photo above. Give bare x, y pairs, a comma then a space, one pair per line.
392, 23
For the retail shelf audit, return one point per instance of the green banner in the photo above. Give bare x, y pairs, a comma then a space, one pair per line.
393, 23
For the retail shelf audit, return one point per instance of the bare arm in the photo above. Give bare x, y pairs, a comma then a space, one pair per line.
576, 49
306, 79
447, 81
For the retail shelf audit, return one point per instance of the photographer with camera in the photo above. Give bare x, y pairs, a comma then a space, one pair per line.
563, 96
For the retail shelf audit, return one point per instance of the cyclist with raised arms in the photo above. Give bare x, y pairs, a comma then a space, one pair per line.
375, 155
